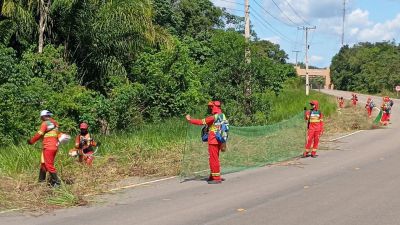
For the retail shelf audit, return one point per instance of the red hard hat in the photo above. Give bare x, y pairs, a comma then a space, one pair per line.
83, 126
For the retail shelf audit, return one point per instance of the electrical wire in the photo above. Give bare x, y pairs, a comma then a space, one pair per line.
298, 15
276, 18
231, 2
270, 27
283, 13
239, 10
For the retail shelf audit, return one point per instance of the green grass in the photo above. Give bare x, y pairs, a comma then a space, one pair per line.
151, 150
292, 101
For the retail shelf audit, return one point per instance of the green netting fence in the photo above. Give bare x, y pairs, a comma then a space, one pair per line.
247, 147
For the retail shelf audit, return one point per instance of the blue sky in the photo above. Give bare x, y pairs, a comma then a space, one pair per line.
366, 20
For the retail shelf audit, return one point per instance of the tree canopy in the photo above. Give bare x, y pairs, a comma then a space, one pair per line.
117, 64
367, 67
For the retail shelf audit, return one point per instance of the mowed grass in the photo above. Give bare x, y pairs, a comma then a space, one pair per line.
153, 150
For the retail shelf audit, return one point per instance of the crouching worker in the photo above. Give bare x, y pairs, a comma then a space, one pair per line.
217, 135
315, 128
49, 134
84, 145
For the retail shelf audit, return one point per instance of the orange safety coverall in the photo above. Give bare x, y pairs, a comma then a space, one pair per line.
49, 132
214, 146
84, 145
315, 128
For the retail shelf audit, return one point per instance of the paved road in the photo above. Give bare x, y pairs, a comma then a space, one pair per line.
356, 185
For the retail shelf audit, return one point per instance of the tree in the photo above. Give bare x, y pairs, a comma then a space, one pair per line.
366, 67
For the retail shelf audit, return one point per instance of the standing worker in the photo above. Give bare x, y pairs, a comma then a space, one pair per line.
315, 128
369, 106
215, 145
341, 102
49, 132
354, 99
386, 108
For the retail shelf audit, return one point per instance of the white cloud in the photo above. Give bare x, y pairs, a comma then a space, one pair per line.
315, 59
359, 27
273, 39
226, 4
381, 31
300, 10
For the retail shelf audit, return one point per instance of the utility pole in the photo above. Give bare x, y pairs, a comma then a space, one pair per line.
247, 78
247, 29
306, 29
297, 53
344, 20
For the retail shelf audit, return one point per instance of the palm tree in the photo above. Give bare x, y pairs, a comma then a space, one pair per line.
16, 21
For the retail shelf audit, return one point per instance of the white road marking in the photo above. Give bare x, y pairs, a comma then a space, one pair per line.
10, 210
141, 184
346, 135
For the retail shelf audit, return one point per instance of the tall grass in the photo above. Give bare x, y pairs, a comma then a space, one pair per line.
151, 150
292, 100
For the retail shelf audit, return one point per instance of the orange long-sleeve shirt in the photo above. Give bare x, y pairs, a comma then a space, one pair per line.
207, 121
49, 132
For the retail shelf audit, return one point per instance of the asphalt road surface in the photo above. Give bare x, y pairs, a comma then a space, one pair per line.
356, 184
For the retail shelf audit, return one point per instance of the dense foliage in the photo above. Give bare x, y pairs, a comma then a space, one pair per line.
367, 67
117, 64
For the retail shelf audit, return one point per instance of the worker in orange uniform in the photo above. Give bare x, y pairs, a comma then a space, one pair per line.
49, 133
84, 145
341, 102
386, 109
354, 99
315, 128
369, 106
214, 145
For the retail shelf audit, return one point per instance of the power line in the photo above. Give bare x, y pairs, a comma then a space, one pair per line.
239, 10
270, 27
298, 15
276, 18
231, 2
306, 29
284, 13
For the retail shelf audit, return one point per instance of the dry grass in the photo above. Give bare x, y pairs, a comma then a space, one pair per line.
347, 120
81, 182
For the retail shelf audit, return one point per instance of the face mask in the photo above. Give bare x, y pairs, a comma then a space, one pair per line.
84, 132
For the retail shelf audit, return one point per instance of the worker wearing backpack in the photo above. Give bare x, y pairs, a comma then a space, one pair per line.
386, 109
216, 137
369, 106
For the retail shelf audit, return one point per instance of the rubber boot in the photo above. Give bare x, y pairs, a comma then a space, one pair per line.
210, 178
42, 176
305, 154
55, 182
214, 182
314, 154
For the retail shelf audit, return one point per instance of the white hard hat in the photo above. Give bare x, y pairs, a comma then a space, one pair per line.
45, 113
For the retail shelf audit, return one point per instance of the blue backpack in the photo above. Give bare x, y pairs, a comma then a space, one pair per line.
220, 128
